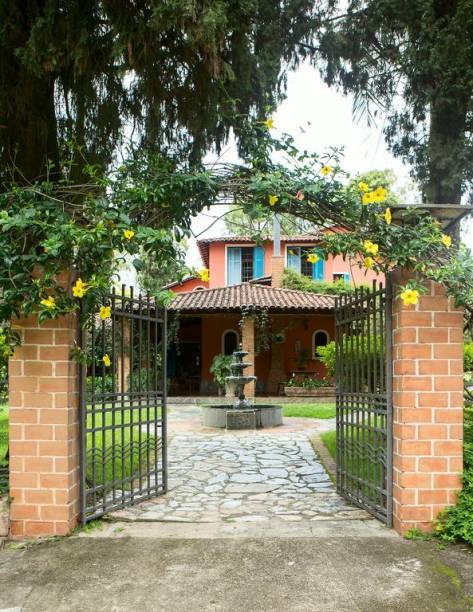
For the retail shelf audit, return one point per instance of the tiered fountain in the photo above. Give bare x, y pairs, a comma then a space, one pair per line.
242, 414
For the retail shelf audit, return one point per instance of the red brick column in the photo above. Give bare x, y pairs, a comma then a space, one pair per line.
248, 344
427, 407
44, 429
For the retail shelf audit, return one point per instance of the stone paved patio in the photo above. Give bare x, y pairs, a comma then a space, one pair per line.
244, 477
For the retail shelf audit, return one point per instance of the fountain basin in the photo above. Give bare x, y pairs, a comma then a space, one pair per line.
226, 416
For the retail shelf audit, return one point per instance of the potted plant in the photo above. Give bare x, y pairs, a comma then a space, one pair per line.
220, 369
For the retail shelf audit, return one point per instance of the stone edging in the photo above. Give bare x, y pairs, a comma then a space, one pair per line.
4, 520
324, 456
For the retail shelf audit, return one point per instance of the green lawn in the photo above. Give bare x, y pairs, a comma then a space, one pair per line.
132, 448
329, 438
311, 411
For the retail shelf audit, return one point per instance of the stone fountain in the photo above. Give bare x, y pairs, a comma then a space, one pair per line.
243, 414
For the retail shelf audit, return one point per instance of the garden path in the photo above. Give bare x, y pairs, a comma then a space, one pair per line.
243, 477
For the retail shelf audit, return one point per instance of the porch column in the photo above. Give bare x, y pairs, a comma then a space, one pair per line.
44, 428
277, 271
248, 344
277, 372
427, 407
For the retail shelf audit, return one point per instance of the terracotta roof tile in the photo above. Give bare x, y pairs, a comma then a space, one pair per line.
251, 295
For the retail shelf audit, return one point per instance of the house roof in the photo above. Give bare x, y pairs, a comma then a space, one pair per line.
205, 242
247, 295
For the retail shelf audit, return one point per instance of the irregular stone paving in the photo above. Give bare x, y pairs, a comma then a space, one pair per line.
250, 477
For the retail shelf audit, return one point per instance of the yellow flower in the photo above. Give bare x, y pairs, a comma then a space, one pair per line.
380, 194
410, 296
104, 312
326, 170
388, 216
106, 360
312, 258
269, 123
367, 198
447, 240
204, 275
364, 187
128, 234
49, 302
368, 261
272, 199
79, 289
370, 247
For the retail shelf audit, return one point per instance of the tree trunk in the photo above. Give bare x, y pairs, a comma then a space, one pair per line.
446, 151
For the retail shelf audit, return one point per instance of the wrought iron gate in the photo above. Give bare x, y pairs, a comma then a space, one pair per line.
122, 403
364, 399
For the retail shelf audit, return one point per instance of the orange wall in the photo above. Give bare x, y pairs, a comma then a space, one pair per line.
189, 285
217, 264
213, 327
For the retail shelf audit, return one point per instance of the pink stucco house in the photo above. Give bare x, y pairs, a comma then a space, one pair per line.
245, 281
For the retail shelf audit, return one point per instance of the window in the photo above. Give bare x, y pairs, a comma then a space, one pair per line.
296, 258
319, 338
244, 264
341, 276
198, 288
229, 342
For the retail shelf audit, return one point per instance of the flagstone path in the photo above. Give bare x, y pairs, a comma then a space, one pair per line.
244, 477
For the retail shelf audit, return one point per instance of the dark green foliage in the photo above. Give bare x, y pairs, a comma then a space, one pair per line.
468, 357
145, 379
294, 280
220, 368
457, 522
309, 383
103, 384
410, 62
181, 73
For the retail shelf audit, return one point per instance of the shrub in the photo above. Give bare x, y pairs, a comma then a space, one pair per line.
468, 356
456, 523
309, 383
294, 280
145, 379
327, 357
99, 381
220, 368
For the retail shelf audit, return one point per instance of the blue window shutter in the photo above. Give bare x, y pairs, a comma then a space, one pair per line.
318, 269
346, 278
258, 262
233, 266
294, 258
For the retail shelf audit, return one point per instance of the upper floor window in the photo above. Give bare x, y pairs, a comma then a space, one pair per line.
244, 264
297, 259
341, 276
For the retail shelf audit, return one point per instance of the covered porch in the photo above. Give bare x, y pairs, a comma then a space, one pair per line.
280, 328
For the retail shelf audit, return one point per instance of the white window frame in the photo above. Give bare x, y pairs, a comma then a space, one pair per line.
318, 331
234, 331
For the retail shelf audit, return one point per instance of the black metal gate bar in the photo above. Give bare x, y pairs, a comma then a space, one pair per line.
122, 403
364, 399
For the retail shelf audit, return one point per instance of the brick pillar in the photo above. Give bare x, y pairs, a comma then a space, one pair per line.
124, 361
44, 429
248, 344
427, 407
277, 271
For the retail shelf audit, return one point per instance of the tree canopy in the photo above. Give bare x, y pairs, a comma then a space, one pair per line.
412, 63
175, 76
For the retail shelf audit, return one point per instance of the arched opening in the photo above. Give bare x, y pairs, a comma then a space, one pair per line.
229, 341
319, 338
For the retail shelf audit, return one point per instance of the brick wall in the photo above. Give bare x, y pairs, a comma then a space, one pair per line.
44, 429
277, 271
427, 408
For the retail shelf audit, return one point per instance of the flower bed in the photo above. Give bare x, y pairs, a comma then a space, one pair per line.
292, 391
